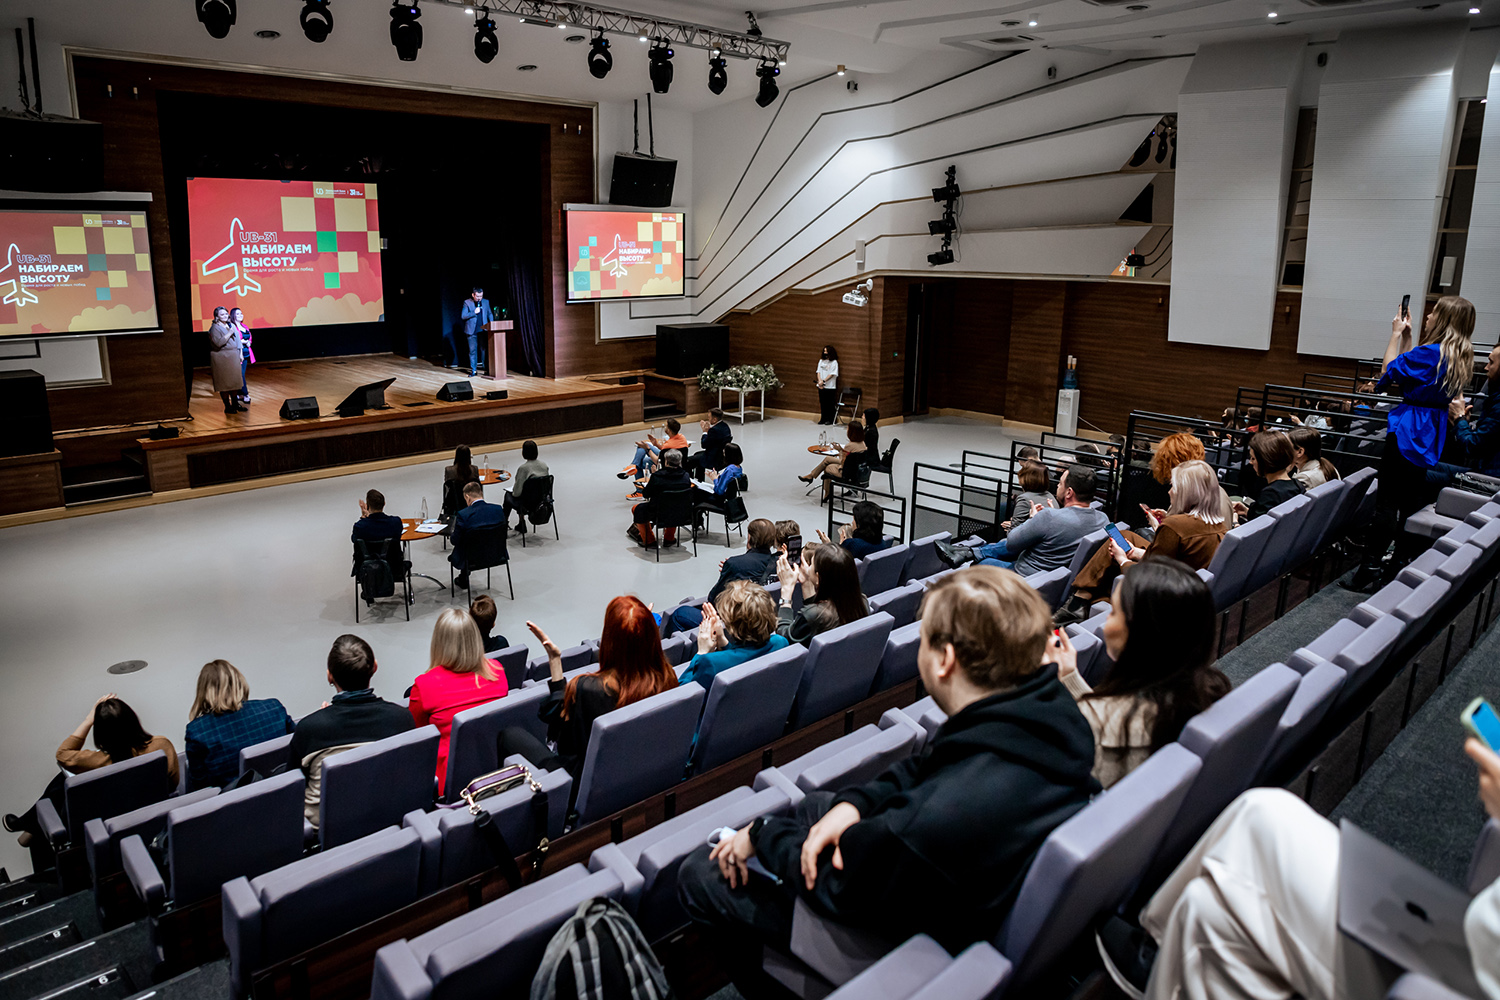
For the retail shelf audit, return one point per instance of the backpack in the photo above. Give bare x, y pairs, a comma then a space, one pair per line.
600, 954
374, 575
541, 513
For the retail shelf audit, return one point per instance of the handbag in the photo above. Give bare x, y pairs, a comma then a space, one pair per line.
495, 783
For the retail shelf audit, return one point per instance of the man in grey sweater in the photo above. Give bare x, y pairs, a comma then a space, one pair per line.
1048, 538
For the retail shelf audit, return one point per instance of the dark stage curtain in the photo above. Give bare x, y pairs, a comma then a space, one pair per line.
524, 278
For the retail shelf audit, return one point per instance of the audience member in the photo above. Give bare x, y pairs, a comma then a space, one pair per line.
756, 564
1252, 911
648, 451
834, 465
828, 384
1311, 469
1229, 425
1032, 478
828, 581
731, 473
872, 434
716, 434
458, 677
118, 736
1253, 417
1189, 530
1026, 452
1160, 635
455, 477
738, 627
1481, 438
632, 666
353, 717
374, 523
672, 478
477, 513
531, 465
1172, 451
484, 613
939, 843
1270, 457
866, 533
1049, 538
222, 722
786, 530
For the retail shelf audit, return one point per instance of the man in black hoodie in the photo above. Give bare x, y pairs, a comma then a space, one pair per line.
940, 843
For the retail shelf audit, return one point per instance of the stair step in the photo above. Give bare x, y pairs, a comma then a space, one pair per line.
106, 481
109, 966
657, 406
78, 908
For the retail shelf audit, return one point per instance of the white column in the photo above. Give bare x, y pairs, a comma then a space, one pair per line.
1384, 140
1481, 277
1236, 126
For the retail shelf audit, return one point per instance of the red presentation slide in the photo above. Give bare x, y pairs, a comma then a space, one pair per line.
289, 253
616, 255
75, 272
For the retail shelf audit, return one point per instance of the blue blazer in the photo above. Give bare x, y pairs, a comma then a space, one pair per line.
479, 514
476, 315
214, 742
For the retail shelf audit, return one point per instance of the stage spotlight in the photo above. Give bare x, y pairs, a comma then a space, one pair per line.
754, 30
944, 256
218, 16
718, 77
767, 72
600, 61
406, 33
1142, 152
943, 227
316, 20
661, 66
486, 44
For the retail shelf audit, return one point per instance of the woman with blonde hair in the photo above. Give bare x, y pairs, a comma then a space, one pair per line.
459, 677
223, 721
1428, 377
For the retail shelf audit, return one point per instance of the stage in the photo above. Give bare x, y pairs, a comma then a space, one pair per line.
215, 448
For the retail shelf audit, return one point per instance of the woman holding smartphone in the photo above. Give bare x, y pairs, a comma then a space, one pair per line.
1428, 377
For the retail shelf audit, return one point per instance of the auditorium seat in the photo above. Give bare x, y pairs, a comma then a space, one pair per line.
1314, 533
901, 603
1426, 565
882, 571
1363, 657
1414, 606
1315, 695
677, 650
849, 760
1452, 507
265, 758
452, 847
513, 661
840, 668
106, 791
647, 863
492, 951
472, 748
747, 707
922, 969
1093, 661
1416, 986
1351, 502
573, 657
898, 661
101, 837
374, 785
290, 909
637, 751
1052, 584
1457, 536
1326, 646
1087, 546
1234, 562
924, 560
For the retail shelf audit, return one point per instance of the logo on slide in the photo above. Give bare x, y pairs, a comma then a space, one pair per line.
14, 290
612, 258
239, 284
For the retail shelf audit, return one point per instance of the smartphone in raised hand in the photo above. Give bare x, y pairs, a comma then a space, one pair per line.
1483, 724
1406, 306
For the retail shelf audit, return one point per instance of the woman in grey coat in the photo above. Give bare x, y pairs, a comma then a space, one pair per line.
225, 361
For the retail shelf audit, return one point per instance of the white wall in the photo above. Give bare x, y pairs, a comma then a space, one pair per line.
1481, 279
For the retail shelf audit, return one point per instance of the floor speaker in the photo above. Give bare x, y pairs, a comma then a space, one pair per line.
683, 350
25, 418
301, 408
644, 181
454, 391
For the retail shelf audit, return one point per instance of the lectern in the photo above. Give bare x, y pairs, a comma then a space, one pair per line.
496, 332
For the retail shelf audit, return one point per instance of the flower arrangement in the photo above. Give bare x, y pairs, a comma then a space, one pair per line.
712, 379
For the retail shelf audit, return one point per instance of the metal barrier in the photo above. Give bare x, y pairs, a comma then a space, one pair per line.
969, 500
845, 497
1354, 435
1064, 450
1144, 430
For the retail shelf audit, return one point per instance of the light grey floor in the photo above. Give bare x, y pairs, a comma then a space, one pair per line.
260, 578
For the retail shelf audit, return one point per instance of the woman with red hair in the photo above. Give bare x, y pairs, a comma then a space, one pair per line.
632, 666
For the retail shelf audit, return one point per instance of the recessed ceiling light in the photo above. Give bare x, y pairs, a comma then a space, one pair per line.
573, 39
1271, 14
564, 26
841, 69
1474, 9
527, 68
1031, 24
468, 10
267, 34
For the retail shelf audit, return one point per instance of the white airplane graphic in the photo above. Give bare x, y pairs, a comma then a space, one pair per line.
613, 260
14, 290
239, 284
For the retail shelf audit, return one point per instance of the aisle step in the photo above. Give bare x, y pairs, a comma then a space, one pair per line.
107, 967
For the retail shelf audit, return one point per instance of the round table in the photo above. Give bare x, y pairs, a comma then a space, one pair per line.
826, 450
410, 534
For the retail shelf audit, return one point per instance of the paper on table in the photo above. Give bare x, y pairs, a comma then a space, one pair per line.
430, 527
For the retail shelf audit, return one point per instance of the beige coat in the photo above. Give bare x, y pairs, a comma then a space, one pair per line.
226, 357
1122, 740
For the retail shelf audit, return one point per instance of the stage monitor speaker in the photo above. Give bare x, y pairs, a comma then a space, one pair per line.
51, 153
301, 408
25, 418
454, 391
683, 350
497, 394
366, 397
644, 181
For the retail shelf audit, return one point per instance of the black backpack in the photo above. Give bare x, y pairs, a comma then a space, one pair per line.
374, 573
600, 954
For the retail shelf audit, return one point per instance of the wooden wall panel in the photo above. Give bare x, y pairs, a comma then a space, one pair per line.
970, 355
893, 297
1035, 360
790, 333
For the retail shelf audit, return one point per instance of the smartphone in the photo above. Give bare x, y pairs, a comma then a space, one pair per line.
1119, 539
1405, 306
1481, 721
793, 548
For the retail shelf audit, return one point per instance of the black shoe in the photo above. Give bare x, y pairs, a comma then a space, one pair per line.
1366, 580
462, 582
634, 533
954, 555
12, 823
1128, 953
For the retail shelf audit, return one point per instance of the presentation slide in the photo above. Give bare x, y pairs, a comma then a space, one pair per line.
289, 253
624, 254
75, 272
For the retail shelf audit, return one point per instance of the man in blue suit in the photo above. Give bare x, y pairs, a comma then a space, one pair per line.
476, 514
476, 316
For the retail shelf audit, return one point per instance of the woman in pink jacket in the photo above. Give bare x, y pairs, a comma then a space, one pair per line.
460, 677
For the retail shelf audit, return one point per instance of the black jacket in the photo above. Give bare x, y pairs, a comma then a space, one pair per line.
1274, 495
713, 441
665, 480
945, 837
756, 564
351, 717
590, 700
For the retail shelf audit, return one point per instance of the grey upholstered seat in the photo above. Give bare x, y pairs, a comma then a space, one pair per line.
898, 661
637, 751
373, 786
747, 707
840, 668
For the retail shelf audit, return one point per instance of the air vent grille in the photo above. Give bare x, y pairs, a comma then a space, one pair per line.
1008, 41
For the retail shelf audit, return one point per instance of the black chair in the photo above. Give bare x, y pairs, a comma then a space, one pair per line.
675, 509
535, 504
855, 474
849, 398
733, 511
483, 548
377, 550
887, 463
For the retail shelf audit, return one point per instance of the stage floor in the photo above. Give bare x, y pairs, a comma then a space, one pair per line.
332, 379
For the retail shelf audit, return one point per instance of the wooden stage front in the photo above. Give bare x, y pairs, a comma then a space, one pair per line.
215, 448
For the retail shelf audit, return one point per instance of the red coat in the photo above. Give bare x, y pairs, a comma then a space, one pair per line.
440, 694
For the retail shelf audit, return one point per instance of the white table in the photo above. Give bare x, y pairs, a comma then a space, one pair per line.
742, 391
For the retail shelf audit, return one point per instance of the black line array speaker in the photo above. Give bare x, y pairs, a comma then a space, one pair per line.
452, 392
51, 153
685, 349
25, 417
301, 408
644, 181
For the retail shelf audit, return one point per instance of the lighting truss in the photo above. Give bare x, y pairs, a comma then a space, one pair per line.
624, 22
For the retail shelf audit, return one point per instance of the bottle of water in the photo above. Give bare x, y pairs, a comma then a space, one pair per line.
424, 509
484, 470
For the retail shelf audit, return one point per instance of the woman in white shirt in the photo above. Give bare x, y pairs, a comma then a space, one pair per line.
828, 383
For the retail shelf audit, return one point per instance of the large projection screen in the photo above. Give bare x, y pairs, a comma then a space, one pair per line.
624, 253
